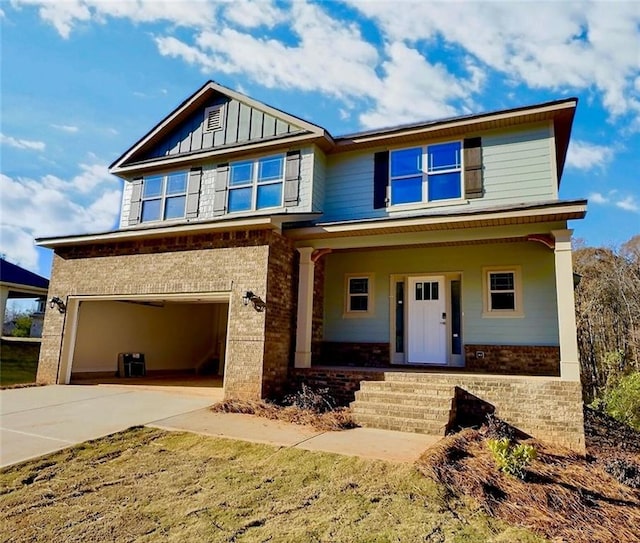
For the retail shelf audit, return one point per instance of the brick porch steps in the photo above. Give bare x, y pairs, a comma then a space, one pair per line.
407, 402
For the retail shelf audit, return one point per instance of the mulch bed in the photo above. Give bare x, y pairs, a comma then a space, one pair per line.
565, 497
336, 419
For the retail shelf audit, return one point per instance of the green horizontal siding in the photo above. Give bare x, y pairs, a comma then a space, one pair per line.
539, 326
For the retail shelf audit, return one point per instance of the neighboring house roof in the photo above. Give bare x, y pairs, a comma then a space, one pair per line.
19, 280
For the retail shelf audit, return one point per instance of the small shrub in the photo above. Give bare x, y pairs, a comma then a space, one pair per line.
511, 459
621, 400
318, 401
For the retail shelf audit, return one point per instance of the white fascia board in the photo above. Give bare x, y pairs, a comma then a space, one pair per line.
261, 223
455, 123
198, 157
392, 224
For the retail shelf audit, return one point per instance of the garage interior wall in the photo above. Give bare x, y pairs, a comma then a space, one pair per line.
172, 336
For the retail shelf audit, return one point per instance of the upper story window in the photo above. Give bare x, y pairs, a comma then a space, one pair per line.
164, 197
426, 174
256, 184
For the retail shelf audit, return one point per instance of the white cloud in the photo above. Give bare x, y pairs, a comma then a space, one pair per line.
583, 155
629, 204
50, 206
253, 13
66, 128
18, 246
598, 198
581, 45
66, 14
22, 144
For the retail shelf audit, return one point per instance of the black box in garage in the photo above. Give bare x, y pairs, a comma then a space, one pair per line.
131, 365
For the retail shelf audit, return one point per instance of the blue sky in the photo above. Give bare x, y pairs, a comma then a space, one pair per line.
82, 80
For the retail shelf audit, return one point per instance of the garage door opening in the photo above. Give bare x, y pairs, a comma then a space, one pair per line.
173, 342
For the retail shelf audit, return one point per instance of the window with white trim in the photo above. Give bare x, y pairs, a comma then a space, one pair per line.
359, 294
503, 292
426, 174
256, 184
164, 197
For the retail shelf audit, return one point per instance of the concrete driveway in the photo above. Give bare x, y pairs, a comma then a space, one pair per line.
39, 420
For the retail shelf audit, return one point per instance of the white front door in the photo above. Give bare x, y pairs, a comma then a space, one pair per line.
427, 326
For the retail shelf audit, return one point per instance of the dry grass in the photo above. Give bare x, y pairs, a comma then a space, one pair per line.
565, 498
336, 419
149, 485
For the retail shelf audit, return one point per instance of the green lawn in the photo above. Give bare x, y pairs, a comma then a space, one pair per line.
18, 362
149, 485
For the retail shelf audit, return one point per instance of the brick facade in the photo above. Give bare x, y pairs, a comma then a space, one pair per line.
342, 383
498, 359
513, 359
547, 408
362, 355
230, 262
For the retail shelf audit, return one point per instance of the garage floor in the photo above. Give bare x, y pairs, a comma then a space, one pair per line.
198, 384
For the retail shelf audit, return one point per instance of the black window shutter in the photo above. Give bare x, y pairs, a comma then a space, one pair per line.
473, 184
220, 189
136, 201
292, 179
380, 179
193, 193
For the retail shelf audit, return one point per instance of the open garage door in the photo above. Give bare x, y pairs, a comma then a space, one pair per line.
177, 339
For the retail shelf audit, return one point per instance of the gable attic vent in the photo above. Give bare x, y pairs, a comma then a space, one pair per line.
213, 118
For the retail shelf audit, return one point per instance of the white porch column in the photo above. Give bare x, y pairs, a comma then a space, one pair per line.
569, 360
305, 309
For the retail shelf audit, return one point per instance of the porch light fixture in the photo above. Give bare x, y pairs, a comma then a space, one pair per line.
57, 302
258, 303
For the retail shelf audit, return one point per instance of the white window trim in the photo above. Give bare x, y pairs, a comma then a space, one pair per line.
487, 312
425, 202
163, 197
254, 183
348, 313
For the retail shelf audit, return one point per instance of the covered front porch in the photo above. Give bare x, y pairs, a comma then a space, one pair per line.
493, 299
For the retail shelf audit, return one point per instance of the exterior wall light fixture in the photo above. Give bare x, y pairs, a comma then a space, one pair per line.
57, 302
258, 303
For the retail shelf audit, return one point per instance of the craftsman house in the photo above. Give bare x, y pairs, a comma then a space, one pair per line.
433, 256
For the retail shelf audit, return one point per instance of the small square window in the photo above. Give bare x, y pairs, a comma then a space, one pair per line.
359, 295
503, 292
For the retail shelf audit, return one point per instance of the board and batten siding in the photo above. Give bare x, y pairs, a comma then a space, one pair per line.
241, 124
518, 167
539, 326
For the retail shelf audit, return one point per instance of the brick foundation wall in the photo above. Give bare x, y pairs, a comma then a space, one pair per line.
230, 262
546, 408
513, 359
342, 384
363, 355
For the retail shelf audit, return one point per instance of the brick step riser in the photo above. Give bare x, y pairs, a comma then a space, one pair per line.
443, 402
407, 388
401, 425
409, 412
